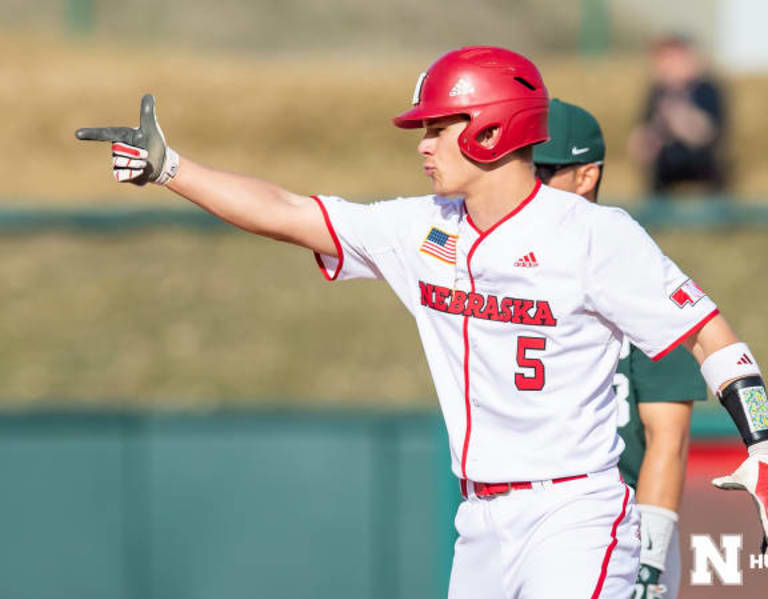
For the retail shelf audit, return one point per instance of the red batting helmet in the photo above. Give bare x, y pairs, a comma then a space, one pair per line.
494, 87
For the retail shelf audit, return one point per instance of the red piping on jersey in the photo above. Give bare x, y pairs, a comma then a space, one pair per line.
695, 329
611, 546
483, 235
471, 222
336, 242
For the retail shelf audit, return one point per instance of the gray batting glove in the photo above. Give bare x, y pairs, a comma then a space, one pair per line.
138, 155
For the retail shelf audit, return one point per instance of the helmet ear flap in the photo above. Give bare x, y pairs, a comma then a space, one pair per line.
470, 140
517, 128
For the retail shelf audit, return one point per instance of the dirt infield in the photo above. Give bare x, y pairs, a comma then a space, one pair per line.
706, 510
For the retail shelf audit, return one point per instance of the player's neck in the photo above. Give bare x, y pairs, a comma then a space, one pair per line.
499, 192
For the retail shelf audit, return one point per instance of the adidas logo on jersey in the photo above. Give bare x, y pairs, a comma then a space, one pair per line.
461, 88
527, 261
744, 360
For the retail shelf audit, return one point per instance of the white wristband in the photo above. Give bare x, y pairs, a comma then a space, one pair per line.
657, 525
730, 362
170, 166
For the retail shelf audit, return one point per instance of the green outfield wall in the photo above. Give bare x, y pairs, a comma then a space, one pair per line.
656, 213
225, 505
230, 504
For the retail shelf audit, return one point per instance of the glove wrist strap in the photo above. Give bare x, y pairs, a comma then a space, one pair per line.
170, 167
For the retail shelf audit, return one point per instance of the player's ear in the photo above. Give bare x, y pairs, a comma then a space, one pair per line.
587, 177
489, 137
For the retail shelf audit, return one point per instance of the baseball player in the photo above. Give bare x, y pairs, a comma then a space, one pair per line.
521, 294
655, 398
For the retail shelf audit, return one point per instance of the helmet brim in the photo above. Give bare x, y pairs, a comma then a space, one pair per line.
415, 117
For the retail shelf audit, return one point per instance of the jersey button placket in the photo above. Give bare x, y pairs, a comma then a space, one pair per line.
474, 340
466, 267
471, 344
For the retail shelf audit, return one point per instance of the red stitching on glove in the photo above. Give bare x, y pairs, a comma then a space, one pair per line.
117, 147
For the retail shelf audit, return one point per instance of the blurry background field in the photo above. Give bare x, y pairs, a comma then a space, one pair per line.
218, 318
159, 319
315, 122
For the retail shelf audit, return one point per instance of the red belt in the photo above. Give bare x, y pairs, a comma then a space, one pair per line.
491, 489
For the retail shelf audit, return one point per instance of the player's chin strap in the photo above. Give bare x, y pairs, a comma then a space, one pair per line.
745, 399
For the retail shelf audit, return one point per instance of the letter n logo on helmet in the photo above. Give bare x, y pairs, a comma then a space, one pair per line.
492, 86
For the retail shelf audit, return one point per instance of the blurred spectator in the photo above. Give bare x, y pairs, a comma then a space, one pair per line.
681, 136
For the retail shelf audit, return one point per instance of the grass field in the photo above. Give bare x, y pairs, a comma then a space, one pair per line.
178, 319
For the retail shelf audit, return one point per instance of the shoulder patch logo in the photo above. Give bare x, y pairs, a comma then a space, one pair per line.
462, 88
527, 261
688, 293
440, 245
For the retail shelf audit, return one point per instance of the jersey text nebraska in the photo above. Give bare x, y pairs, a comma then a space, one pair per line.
509, 309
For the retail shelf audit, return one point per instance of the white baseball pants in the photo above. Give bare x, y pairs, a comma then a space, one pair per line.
579, 539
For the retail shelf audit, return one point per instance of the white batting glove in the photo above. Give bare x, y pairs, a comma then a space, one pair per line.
138, 154
752, 477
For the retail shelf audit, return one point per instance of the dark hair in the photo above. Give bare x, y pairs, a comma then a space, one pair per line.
545, 172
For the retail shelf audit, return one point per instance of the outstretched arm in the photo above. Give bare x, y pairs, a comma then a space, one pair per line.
142, 155
255, 205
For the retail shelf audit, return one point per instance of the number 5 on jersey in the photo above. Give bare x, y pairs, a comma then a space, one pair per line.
535, 381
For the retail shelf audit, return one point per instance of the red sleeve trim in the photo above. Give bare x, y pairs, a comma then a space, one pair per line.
336, 242
695, 329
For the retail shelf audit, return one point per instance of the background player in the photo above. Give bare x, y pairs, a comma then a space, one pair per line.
655, 398
524, 384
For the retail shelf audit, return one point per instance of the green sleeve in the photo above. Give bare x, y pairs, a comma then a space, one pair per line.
676, 377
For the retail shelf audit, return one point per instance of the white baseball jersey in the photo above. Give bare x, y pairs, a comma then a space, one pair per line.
522, 323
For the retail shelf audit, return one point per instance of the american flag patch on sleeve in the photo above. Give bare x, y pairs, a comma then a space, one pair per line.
440, 245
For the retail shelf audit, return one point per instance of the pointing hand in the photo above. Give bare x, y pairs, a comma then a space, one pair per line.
141, 154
